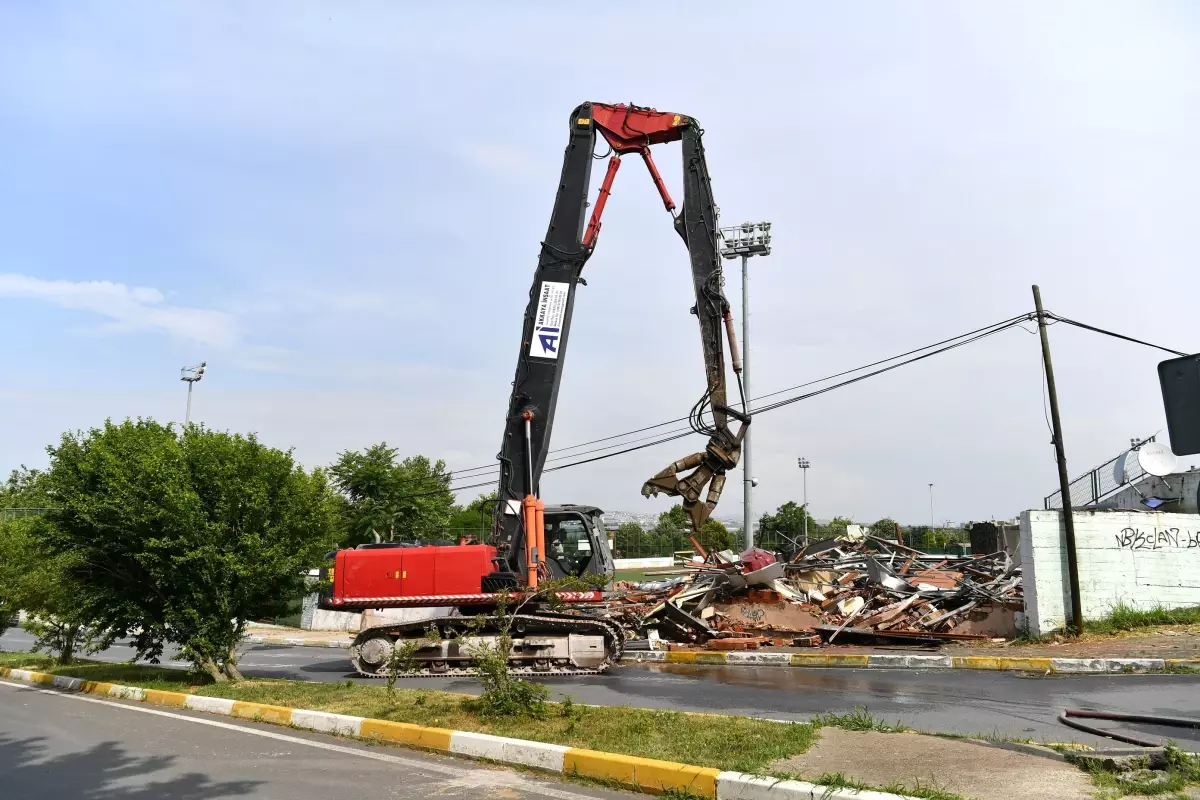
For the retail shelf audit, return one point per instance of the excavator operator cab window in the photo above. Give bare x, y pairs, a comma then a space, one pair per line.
568, 549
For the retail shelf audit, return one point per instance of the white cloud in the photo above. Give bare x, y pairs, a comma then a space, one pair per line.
130, 308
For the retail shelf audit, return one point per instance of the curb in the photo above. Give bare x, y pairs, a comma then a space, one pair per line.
1053, 666
646, 774
342, 644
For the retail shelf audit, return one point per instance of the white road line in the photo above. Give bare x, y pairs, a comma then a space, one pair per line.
411, 763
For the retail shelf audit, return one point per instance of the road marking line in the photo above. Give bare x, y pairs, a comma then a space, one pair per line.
412, 763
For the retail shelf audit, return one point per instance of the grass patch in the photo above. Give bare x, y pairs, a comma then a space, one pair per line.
1181, 669
927, 791
639, 575
1027, 636
838, 780
1125, 618
146, 676
860, 719
1182, 771
729, 743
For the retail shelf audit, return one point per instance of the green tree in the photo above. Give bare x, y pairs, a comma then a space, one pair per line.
674, 519
475, 517
43, 585
885, 529
182, 538
671, 532
629, 540
836, 527
409, 499
788, 519
714, 536
24, 488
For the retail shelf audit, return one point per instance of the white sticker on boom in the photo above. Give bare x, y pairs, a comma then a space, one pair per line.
548, 323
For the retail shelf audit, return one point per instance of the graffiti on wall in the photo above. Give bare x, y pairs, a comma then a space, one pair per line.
1158, 539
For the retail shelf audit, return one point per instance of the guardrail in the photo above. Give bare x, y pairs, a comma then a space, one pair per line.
1100, 482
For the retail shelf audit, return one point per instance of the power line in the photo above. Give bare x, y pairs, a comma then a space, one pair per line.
924, 352
986, 333
1112, 334
946, 345
494, 468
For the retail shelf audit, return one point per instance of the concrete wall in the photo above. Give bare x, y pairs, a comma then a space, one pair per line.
1183, 486
1140, 559
644, 563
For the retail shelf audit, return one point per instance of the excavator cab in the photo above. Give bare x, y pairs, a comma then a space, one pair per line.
576, 542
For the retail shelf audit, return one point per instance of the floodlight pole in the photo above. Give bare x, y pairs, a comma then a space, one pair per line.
746, 240
191, 375
1064, 482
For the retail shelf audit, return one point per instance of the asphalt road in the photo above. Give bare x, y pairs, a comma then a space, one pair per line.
946, 701
57, 746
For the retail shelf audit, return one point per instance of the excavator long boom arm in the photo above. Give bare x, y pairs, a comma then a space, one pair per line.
570, 241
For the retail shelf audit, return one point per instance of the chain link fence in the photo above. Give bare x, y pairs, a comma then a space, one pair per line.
1096, 484
20, 513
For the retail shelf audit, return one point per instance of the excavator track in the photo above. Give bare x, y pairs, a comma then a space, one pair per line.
371, 649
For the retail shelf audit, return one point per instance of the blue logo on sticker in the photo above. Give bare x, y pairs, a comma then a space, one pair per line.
548, 337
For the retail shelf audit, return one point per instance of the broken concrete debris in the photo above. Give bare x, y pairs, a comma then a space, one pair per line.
864, 590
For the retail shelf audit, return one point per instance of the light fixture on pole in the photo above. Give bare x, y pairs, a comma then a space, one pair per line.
746, 240
802, 463
931, 525
191, 375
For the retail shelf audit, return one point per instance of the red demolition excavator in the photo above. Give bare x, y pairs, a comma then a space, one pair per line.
533, 542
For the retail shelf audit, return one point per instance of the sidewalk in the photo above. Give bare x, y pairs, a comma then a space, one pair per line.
968, 768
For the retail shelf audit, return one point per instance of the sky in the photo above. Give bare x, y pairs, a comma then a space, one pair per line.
339, 206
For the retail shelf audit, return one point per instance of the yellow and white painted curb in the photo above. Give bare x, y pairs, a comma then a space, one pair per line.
1064, 666
646, 774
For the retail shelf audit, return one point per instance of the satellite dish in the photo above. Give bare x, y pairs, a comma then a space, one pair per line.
1157, 459
1119, 470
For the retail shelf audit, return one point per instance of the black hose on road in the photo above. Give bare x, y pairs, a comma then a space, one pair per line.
1066, 718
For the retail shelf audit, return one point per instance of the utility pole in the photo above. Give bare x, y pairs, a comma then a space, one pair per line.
1064, 482
745, 240
191, 375
803, 464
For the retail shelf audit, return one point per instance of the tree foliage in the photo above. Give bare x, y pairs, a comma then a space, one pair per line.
714, 536
788, 519
183, 538
629, 540
885, 529
409, 500
43, 585
24, 488
475, 517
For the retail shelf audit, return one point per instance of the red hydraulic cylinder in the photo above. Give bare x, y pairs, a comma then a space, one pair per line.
658, 181
593, 228
529, 509
539, 511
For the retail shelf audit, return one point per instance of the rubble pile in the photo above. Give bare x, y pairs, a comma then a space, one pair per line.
850, 590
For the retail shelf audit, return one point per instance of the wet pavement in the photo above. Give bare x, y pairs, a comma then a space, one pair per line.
949, 701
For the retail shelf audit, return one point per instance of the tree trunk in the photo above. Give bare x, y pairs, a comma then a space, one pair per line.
231, 669
66, 653
210, 666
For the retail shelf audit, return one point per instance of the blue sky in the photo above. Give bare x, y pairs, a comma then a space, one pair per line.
339, 207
